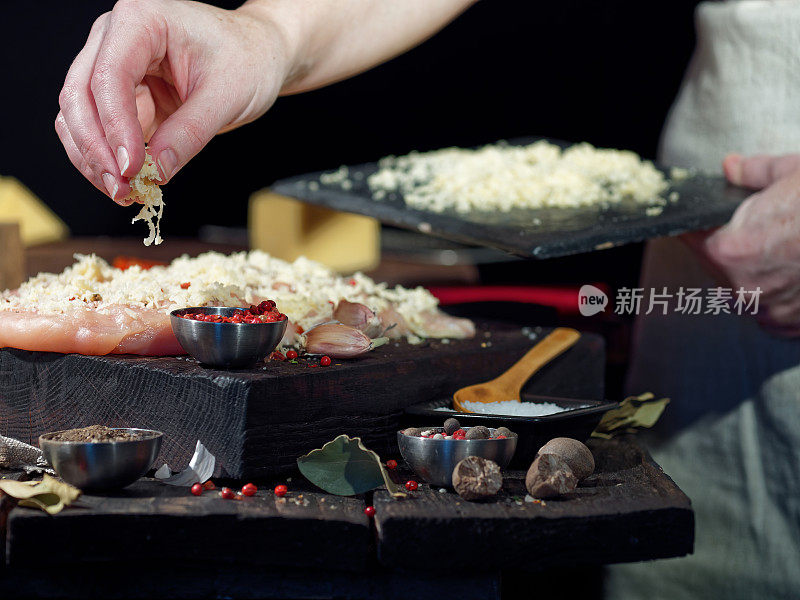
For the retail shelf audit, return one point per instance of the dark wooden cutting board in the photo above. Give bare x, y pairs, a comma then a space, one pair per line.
705, 201
257, 422
627, 510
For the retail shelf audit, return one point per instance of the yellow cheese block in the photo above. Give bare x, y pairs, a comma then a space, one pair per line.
37, 223
288, 229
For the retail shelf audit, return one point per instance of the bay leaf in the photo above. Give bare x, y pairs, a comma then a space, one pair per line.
345, 467
632, 413
49, 494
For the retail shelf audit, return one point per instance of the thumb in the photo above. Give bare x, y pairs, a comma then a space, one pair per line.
186, 131
759, 171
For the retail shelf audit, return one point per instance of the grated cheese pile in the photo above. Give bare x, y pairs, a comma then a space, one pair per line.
144, 187
304, 290
502, 177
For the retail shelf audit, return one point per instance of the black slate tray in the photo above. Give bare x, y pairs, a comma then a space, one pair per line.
705, 202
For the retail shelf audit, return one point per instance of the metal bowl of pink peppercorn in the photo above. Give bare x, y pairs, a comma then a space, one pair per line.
225, 345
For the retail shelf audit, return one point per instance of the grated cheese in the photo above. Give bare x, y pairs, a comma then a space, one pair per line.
304, 290
503, 177
144, 187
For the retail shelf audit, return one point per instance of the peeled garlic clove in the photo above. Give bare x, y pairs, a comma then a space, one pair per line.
393, 323
339, 341
358, 316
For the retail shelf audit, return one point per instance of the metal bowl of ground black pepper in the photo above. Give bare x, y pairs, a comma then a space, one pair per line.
101, 458
434, 458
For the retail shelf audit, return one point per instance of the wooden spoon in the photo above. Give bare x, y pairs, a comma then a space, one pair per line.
508, 386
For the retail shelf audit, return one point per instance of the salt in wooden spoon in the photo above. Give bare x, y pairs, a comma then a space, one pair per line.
508, 386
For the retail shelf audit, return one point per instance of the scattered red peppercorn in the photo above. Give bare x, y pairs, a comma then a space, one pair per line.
291, 354
197, 489
227, 493
185, 286
369, 511
248, 489
209, 485
411, 485
325, 361
391, 464
277, 356
281, 490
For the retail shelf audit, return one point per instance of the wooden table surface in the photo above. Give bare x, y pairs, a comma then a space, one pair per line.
629, 510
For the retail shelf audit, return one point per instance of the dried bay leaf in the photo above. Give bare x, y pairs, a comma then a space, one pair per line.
49, 494
345, 467
632, 413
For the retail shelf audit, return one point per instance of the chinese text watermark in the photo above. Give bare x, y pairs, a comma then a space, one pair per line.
685, 301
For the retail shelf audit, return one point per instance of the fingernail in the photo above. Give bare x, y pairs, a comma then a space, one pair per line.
111, 184
167, 161
122, 159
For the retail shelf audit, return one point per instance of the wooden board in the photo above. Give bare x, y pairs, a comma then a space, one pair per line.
7, 503
629, 510
705, 202
155, 522
257, 422
177, 579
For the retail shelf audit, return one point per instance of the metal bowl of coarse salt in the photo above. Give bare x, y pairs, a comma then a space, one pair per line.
433, 460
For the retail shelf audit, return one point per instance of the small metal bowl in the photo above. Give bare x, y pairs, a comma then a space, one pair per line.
577, 420
102, 465
225, 345
434, 460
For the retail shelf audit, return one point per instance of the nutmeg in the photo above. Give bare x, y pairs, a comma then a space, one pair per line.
550, 476
412, 431
476, 478
575, 453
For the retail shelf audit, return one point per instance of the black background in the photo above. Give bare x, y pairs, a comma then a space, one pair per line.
601, 71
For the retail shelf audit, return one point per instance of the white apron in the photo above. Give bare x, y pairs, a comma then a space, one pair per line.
731, 436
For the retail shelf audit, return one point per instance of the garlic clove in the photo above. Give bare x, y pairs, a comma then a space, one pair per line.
339, 341
393, 323
358, 316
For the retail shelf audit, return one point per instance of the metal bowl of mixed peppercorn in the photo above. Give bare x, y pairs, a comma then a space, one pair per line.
434, 459
229, 337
